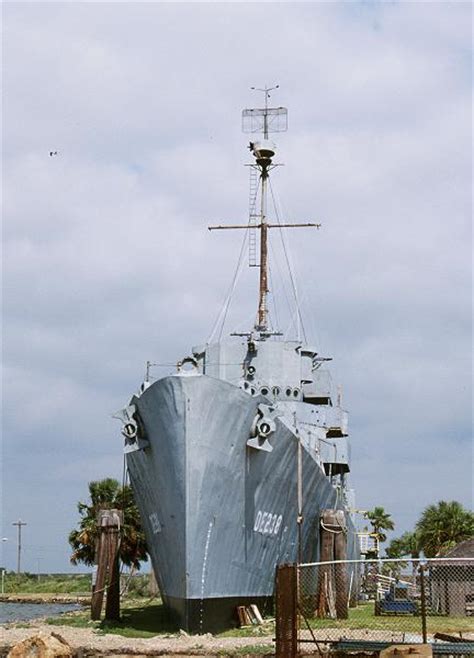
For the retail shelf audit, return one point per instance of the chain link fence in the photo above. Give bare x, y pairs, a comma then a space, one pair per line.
375, 603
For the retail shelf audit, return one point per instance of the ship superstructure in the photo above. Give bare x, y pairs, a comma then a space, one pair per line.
233, 457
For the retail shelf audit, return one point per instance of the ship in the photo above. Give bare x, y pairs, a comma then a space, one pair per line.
234, 456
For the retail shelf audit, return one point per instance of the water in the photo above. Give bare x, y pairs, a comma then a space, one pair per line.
25, 611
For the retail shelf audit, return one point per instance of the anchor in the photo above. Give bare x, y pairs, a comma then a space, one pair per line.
263, 426
130, 429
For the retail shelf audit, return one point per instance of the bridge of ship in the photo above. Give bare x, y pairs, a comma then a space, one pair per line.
292, 376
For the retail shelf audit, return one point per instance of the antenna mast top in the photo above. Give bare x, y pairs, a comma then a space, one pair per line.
263, 120
267, 119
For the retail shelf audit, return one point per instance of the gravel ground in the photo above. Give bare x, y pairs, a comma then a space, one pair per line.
89, 642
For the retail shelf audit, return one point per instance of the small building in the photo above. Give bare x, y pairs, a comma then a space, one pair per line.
452, 581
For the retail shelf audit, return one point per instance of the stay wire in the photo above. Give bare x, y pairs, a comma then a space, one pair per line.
225, 309
290, 269
281, 278
275, 308
234, 283
222, 316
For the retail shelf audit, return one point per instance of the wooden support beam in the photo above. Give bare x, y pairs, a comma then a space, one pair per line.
341, 570
107, 578
333, 592
325, 599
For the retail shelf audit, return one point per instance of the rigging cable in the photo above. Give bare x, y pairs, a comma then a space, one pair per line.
225, 309
278, 271
290, 269
221, 318
275, 310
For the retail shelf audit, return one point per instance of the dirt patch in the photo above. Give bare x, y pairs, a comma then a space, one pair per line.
87, 642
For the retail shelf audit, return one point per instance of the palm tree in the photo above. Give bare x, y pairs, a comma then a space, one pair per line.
407, 544
379, 520
106, 494
442, 526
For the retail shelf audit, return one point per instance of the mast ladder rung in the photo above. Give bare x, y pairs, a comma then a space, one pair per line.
253, 217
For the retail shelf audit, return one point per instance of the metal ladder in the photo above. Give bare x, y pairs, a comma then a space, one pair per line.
253, 216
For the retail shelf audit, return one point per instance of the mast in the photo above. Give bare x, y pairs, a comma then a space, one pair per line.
263, 163
263, 120
263, 288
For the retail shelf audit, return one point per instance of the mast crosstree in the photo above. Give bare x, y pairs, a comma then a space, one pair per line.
263, 120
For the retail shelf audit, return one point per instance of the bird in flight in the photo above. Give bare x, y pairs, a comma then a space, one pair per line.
51, 153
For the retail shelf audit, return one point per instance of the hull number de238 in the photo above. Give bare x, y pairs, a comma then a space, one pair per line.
267, 523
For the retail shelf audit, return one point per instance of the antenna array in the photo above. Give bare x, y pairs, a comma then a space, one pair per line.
276, 118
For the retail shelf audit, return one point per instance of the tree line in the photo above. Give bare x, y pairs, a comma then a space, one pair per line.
440, 527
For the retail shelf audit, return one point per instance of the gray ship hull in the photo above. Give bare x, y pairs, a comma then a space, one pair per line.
219, 515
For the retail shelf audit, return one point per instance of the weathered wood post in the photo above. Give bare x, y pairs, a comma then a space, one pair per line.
109, 522
332, 599
340, 553
325, 598
286, 611
112, 604
423, 602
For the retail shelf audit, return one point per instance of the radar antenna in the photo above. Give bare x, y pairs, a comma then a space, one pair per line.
266, 119
263, 120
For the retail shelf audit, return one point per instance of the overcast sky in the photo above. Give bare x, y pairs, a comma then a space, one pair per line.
108, 261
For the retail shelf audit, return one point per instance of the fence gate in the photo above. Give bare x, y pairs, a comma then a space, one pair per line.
286, 611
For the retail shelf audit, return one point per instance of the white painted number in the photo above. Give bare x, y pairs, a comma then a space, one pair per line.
155, 523
267, 523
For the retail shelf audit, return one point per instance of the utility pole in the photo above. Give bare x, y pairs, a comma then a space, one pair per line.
19, 524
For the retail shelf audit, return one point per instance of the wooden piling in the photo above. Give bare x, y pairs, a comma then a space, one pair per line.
340, 571
107, 559
332, 599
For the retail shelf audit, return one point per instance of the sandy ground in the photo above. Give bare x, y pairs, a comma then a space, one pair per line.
89, 642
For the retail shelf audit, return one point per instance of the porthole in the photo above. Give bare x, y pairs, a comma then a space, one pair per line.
246, 385
296, 393
264, 391
252, 391
276, 390
288, 392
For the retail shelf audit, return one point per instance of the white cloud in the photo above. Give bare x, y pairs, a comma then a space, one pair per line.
108, 261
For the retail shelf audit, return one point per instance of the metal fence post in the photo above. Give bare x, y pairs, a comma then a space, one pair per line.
423, 603
286, 611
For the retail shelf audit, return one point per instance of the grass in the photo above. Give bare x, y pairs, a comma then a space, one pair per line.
27, 583
363, 617
137, 620
268, 628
